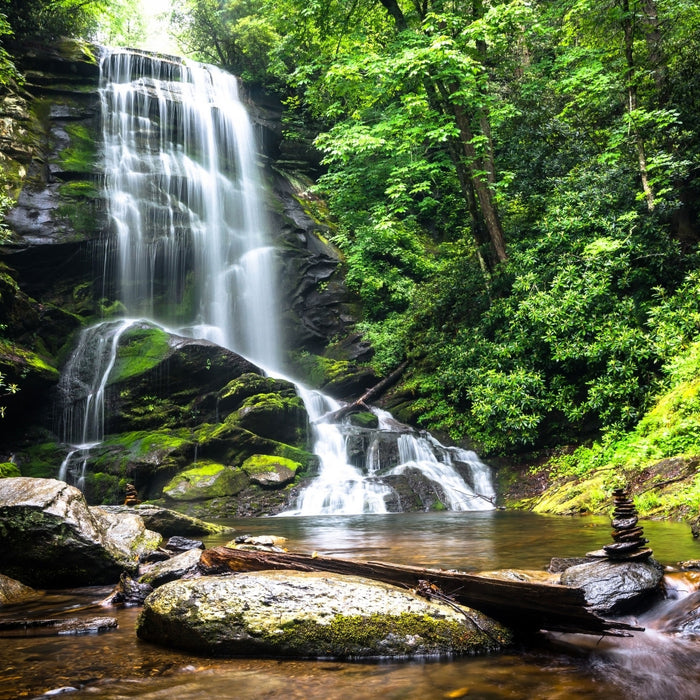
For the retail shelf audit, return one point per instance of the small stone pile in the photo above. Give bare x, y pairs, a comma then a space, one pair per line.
628, 537
132, 496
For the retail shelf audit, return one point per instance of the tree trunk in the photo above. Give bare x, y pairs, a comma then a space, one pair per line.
628, 29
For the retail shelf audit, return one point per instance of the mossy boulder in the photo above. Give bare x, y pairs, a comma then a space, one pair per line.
206, 480
232, 396
196, 372
343, 379
311, 615
50, 538
276, 417
270, 471
364, 419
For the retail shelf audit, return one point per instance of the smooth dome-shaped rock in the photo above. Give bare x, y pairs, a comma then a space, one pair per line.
311, 615
615, 587
50, 538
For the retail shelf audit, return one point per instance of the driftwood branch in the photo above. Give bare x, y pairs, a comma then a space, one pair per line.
521, 605
361, 403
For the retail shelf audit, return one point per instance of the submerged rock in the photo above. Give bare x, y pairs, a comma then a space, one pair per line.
684, 618
49, 537
311, 615
615, 587
53, 626
128, 592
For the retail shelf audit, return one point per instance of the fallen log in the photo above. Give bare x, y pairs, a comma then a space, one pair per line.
361, 403
525, 606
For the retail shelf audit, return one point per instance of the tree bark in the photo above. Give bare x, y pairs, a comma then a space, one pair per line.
476, 167
628, 29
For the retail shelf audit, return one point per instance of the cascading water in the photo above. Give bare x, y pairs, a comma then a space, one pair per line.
361, 482
193, 255
82, 387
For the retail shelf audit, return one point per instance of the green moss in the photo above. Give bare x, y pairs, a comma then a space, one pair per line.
317, 370
140, 349
41, 460
79, 189
267, 463
407, 634
238, 390
81, 155
111, 309
142, 452
365, 419
101, 488
8, 469
14, 355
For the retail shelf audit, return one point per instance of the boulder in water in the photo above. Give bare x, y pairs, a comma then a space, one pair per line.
50, 538
615, 587
311, 615
171, 569
12, 591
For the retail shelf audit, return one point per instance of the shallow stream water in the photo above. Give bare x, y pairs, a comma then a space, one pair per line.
116, 664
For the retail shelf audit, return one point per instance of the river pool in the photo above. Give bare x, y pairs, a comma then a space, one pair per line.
116, 664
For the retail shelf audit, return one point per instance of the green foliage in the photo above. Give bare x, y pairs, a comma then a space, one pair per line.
8, 469
140, 349
113, 21
9, 75
231, 33
6, 389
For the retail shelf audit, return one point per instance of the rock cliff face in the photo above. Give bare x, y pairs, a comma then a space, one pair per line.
55, 280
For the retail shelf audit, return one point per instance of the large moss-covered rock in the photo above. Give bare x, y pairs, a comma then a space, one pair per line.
206, 480
232, 396
270, 471
279, 418
311, 615
50, 538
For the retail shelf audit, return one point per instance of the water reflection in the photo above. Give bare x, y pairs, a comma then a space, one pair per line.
116, 665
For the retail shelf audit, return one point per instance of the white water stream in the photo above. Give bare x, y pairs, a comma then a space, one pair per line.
194, 253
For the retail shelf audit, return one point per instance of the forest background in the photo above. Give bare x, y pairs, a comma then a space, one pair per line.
515, 188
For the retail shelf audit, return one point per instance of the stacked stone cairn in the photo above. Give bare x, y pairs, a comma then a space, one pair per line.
132, 496
628, 537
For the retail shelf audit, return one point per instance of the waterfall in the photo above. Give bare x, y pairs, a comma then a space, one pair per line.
193, 255
184, 196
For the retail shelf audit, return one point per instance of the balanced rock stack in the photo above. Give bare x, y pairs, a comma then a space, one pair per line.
628, 537
132, 496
